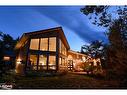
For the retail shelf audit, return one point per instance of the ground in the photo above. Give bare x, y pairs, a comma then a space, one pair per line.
67, 81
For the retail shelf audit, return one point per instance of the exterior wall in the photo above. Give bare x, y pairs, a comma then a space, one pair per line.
47, 53
75, 60
62, 56
23, 54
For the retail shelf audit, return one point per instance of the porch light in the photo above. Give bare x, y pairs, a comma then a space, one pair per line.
18, 61
6, 58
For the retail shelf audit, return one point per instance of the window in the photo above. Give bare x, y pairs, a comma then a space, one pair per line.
65, 51
63, 48
34, 44
52, 44
52, 62
60, 62
63, 61
33, 62
42, 62
60, 45
44, 44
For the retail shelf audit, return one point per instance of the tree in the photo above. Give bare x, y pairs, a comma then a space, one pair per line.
115, 20
104, 15
117, 51
7, 43
96, 50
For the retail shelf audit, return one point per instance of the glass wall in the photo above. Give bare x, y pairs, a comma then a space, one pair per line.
33, 62
60, 61
44, 44
52, 62
63, 61
52, 44
45, 59
34, 44
42, 62
62, 49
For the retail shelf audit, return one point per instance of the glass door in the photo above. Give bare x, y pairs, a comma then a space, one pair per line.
32, 64
42, 62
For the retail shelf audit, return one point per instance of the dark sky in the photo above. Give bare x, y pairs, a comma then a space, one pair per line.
15, 20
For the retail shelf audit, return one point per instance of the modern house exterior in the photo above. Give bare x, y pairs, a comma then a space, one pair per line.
46, 50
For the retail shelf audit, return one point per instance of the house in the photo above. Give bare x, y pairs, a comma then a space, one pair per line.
75, 59
46, 50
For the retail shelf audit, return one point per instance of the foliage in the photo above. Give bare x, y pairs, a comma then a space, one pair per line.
117, 51
115, 19
104, 15
96, 49
87, 67
7, 43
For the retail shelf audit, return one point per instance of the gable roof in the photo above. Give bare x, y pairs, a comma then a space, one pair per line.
27, 35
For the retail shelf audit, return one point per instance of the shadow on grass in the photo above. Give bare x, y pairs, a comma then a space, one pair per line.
42, 80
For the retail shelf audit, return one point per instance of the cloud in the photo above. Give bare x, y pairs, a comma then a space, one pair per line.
73, 19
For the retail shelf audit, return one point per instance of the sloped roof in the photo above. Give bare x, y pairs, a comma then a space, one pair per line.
27, 35
75, 52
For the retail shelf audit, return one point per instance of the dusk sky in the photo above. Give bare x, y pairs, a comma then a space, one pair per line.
76, 26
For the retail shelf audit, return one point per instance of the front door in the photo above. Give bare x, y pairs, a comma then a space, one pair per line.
70, 65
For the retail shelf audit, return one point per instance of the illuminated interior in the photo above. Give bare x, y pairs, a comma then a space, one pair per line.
34, 44
48, 50
44, 44
33, 62
42, 62
52, 44
52, 62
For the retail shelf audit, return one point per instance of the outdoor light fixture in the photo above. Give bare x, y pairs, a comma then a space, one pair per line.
6, 58
18, 61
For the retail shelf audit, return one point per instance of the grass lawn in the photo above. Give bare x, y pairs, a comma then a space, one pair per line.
68, 81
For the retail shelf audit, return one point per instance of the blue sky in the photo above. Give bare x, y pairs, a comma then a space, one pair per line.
16, 20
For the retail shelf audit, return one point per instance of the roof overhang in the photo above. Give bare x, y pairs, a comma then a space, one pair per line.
26, 36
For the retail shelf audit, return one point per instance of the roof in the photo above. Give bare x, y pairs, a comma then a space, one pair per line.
27, 35
78, 53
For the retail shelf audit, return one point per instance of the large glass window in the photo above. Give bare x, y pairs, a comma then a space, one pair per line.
33, 62
63, 49
52, 44
44, 44
63, 61
52, 62
60, 61
60, 45
34, 44
42, 62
